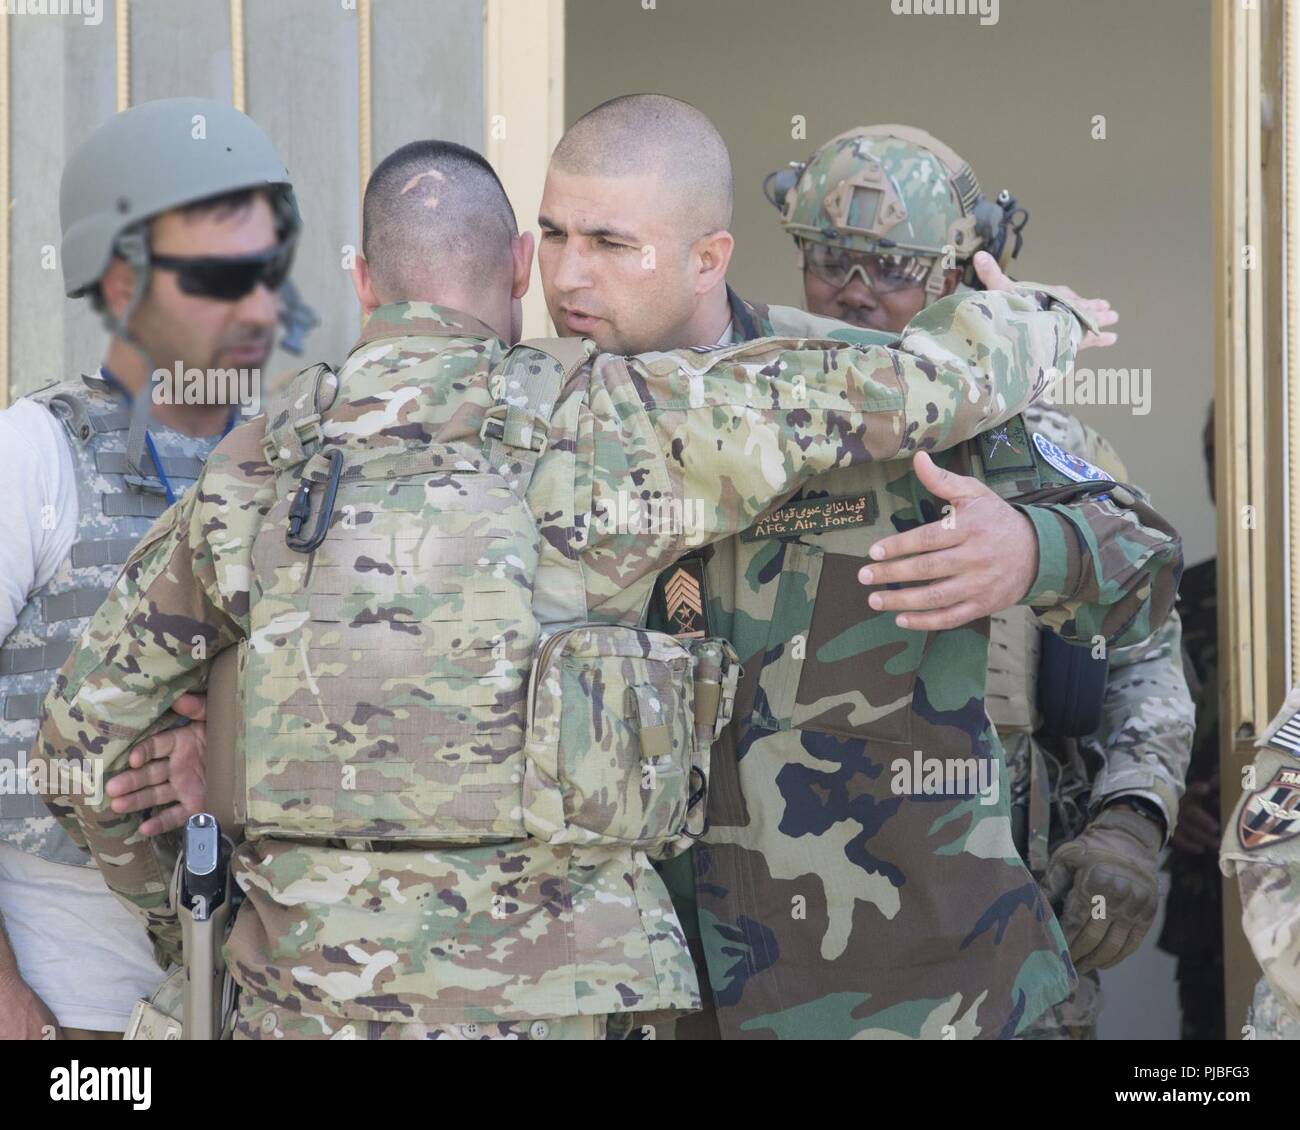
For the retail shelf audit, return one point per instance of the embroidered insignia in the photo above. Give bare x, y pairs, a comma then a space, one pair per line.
1071, 466
1005, 450
814, 516
1272, 813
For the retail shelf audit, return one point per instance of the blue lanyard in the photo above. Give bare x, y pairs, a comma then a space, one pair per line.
115, 384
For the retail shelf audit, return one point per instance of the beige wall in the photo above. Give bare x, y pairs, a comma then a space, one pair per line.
1127, 217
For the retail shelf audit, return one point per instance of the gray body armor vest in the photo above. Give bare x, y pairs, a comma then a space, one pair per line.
112, 516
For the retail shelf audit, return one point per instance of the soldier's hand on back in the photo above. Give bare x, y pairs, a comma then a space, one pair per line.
167, 772
992, 277
23, 1015
980, 558
1105, 883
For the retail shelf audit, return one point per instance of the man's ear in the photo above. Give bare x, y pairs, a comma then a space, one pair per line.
117, 285
951, 279
521, 251
713, 252
363, 283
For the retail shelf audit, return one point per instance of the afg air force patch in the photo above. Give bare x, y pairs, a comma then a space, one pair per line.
1272, 813
1071, 466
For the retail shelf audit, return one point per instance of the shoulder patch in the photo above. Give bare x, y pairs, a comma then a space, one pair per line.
1005, 450
1071, 466
1272, 813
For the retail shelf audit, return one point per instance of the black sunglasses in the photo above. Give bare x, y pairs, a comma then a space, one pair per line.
229, 279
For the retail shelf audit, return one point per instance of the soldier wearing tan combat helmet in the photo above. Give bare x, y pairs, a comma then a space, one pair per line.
886, 220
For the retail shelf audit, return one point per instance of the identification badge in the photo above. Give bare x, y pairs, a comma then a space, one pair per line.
814, 516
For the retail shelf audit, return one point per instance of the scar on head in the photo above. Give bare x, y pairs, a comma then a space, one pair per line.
430, 199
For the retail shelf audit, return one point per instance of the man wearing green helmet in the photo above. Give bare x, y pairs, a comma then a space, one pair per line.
179, 224
886, 219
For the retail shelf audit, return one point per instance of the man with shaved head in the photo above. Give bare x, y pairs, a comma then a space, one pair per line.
449, 816
642, 185
858, 875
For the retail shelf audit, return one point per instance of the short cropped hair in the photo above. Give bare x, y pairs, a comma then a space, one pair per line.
653, 133
435, 212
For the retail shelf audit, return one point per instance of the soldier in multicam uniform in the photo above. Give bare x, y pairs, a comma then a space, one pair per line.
386, 931
1261, 848
828, 904
149, 210
1128, 746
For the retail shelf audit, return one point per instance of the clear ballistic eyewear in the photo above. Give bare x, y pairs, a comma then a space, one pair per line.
884, 274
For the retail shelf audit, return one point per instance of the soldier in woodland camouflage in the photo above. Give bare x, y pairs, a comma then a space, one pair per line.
827, 903
485, 907
180, 237
876, 268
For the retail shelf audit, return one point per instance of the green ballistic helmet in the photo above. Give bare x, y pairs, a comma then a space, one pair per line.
149, 159
898, 191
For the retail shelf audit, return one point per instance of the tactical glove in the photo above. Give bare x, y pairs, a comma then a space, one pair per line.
1104, 882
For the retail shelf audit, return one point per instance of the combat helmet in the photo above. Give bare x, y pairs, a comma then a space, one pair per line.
149, 159
900, 193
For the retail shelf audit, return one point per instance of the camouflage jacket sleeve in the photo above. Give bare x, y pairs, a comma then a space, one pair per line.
1144, 742
719, 436
1108, 568
1147, 723
181, 598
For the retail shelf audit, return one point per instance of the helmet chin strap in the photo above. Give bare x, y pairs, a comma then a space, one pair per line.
133, 247
934, 284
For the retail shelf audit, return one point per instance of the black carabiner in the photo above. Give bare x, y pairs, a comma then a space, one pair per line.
697, 797
300, 508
